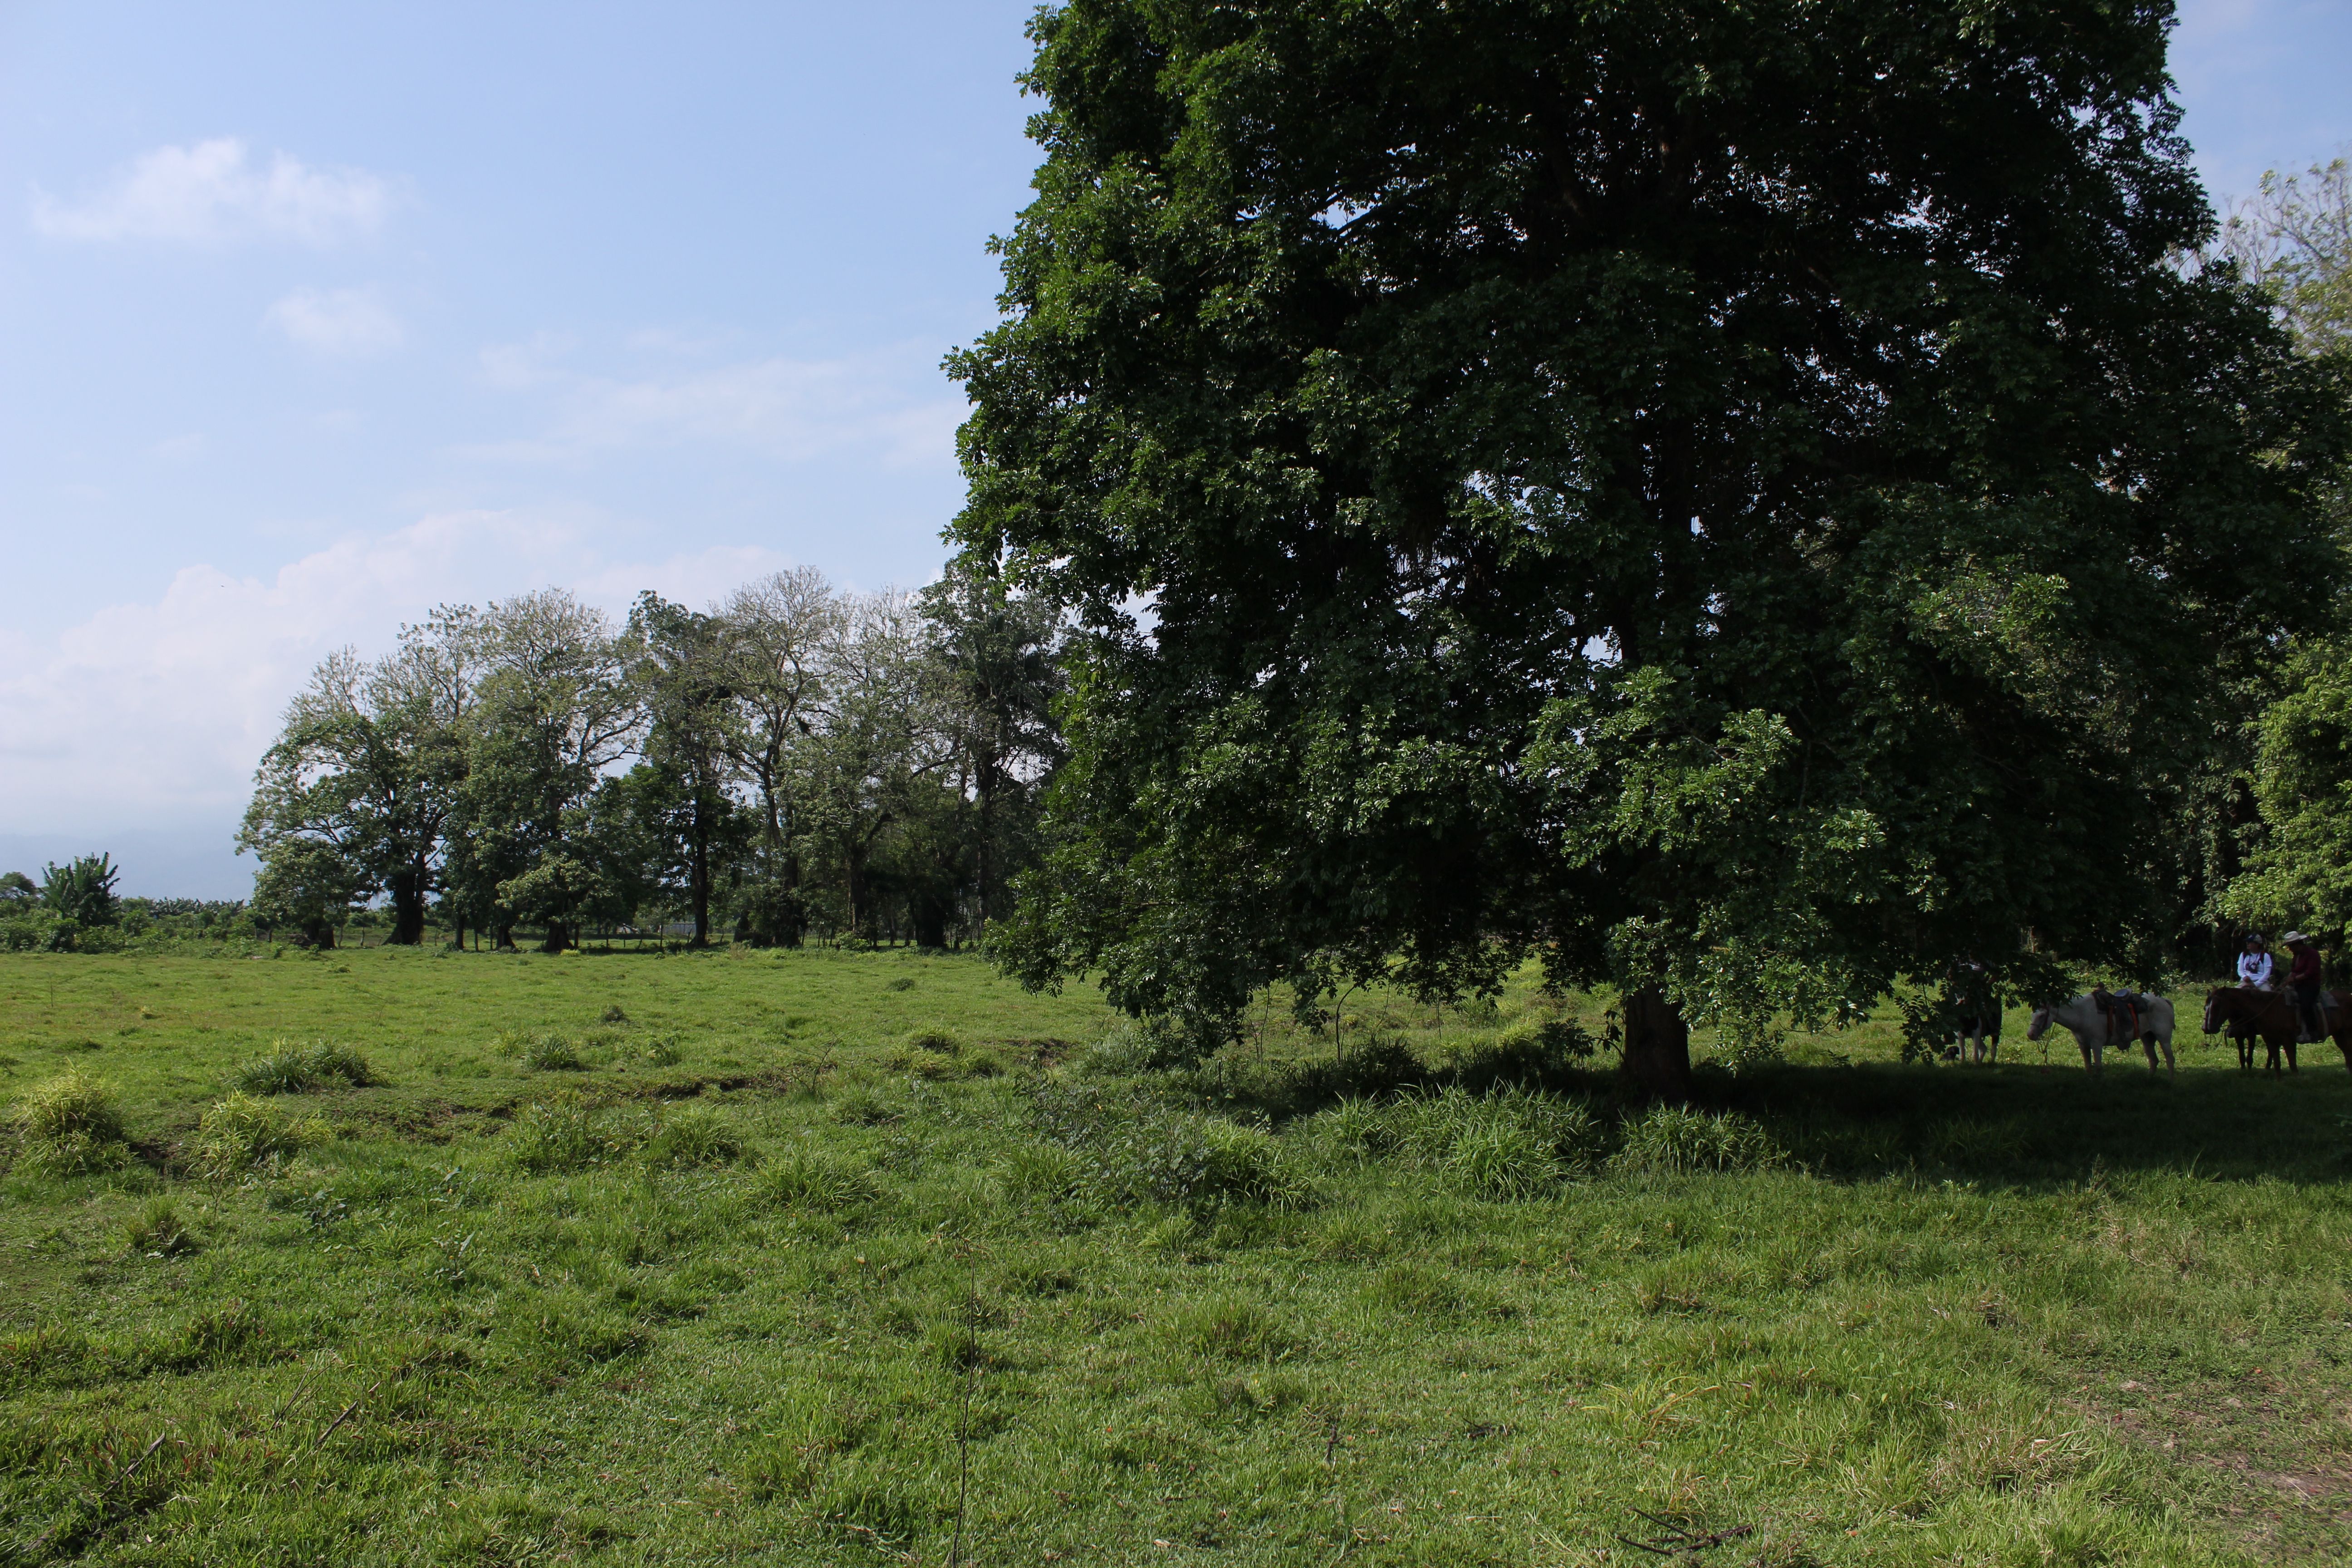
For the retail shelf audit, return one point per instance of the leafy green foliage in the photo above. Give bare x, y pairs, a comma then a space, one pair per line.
83, 891
2301, 873
2294, 239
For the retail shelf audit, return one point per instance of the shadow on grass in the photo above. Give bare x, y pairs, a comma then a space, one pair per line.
2016, 1124
2031, 1124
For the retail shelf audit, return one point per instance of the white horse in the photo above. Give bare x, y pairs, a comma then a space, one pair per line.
2083, 1018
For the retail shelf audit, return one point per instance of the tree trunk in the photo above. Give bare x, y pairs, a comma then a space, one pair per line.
698, 879
1657, 1045
504, 940
930, 926
555, 935
319, 934
407, 908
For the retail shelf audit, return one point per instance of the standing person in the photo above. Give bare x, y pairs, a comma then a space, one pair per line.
2303, 979
2254, 963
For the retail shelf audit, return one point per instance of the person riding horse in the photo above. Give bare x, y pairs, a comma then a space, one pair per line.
2254, 963
2303, 979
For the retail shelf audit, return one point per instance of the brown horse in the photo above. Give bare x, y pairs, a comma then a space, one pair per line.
2245, 1013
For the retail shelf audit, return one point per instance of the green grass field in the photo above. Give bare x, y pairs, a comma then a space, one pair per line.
667, 1260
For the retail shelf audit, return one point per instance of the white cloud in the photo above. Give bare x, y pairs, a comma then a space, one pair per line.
158, 712
181, 448
513, 368
888, 403
352, 323
208, 193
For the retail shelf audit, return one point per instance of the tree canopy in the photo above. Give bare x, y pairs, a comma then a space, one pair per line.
867, 764
1739, 500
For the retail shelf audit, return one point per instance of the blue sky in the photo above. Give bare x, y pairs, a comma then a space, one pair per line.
315, 316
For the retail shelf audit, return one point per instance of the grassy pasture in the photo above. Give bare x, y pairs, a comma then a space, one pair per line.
668, 1260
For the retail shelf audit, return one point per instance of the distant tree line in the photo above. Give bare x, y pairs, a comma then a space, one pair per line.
74, 907
795, 762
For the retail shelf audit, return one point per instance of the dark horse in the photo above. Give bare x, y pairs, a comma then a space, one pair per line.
2245, 1013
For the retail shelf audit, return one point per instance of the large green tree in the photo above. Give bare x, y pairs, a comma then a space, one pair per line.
1743, 500
679, 661
555, 706
366, 772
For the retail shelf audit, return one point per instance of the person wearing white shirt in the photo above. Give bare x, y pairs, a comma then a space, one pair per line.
2254, 966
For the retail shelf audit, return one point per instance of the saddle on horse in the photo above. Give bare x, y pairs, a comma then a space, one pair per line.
2122, 1010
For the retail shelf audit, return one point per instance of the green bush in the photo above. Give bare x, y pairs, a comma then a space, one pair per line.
552, 1138
1672, 1139
662, 1050
243, 1132
35, 930
934, 1038
694, 1136
297, 1069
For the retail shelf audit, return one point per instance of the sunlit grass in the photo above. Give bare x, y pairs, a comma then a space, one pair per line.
779, 1269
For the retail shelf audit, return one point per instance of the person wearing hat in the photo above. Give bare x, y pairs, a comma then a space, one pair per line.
2254, 963
2303, 979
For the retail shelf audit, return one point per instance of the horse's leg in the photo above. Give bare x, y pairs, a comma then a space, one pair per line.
2292, 1066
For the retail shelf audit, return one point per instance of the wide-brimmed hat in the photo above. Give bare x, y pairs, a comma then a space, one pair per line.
2293, 937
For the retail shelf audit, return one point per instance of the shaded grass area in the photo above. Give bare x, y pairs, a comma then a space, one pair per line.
789, 1254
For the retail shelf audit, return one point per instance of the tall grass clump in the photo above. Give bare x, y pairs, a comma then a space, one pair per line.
1507, 1144
244, 1133
298, 1069
816, 1184
1670, 1140
157, 1231
550, 1138
1140, 1046
694, 1136
1133, 1151
552, 1053
70, 1126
